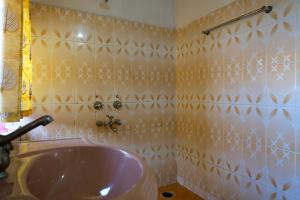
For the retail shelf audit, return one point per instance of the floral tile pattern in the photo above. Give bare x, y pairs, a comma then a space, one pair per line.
232, 97
79, 58
238, 124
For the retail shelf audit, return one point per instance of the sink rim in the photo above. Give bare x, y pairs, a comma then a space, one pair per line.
30, 158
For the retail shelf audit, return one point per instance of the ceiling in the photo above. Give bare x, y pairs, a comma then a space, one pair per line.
187, 11
157, 12
166, 13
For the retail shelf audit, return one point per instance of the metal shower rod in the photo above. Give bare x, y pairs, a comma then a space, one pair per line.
266, 9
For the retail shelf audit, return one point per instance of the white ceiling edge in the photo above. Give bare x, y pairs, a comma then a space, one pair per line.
187, 11
155, 12
163, 13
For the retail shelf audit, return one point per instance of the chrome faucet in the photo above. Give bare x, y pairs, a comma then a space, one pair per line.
5, 141
111, 123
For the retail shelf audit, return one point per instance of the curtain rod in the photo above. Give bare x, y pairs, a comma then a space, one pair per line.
266, 9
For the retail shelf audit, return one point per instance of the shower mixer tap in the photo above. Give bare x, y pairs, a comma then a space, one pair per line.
111, 123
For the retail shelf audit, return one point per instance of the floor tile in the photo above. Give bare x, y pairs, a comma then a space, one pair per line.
180, 193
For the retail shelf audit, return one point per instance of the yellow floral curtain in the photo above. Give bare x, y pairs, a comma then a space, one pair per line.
15, 61
26, 105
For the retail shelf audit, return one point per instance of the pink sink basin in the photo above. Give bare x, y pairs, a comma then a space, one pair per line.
86, 173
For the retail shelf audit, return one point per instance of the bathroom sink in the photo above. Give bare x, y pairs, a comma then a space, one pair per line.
85, 173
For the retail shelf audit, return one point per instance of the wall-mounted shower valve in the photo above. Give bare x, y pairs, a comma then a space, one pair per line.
117, 103
112, 123
98, 105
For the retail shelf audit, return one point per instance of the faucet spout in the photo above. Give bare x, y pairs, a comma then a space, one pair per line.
5, 141
45, 120
111, 123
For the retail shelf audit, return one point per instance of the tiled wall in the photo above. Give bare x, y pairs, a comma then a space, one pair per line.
237, 94
79, 58
238, 103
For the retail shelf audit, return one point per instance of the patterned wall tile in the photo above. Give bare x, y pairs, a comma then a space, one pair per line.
233, 70
79, 58
84, 121
140, 77
254, 4
215, 182
254, 69
233, 9
104, 29
62, 23
83, 30
233, 139
283, 9
253, 190
296, 182
281, 156
246, 114
65, 115
297, 129
254, 146
282, 135
42, 71
84, 72
104, 73
215, 136
215, 73
281, 62
63, 71
42, 132
236, 121
39, 15
123, 78
297, 30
